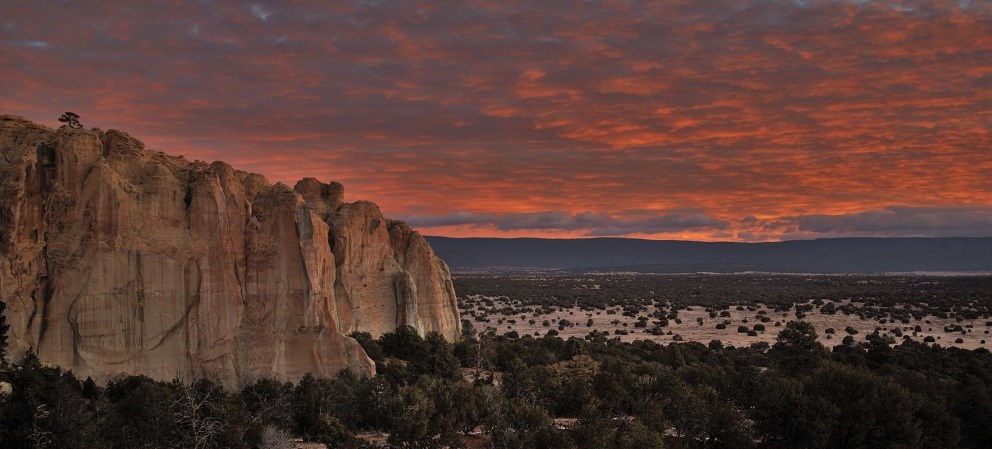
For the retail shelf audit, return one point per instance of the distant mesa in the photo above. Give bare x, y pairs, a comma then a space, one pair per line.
838, 255
117, 259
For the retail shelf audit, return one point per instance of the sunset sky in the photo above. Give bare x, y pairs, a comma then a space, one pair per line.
738, 120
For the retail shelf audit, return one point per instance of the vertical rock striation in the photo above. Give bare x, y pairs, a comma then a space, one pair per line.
116, 259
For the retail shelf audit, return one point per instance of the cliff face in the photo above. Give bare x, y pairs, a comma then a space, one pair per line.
116, 259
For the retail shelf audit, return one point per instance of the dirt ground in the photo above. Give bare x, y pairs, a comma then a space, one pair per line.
476, 440
612, 320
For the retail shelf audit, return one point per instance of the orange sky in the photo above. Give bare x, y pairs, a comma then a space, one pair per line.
689, 119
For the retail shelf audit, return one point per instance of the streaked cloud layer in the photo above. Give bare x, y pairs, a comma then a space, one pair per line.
702, 119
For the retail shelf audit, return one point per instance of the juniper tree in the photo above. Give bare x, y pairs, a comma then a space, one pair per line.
71, 119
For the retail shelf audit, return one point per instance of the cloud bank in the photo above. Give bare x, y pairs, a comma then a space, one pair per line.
895, 221
587, 223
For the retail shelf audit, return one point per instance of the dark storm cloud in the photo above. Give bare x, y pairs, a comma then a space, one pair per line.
765, 108
904, 221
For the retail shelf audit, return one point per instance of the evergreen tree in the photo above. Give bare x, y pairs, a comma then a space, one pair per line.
71, 119
796, 348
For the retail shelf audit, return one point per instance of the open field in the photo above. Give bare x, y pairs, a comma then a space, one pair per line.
738, 309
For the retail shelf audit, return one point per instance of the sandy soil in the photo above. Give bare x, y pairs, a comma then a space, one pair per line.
690, 330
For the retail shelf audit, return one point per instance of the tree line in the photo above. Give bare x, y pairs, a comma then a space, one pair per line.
532, 392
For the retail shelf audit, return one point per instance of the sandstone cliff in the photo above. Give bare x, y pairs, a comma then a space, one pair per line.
117, 259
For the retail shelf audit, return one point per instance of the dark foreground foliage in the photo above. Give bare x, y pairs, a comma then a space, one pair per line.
539, 393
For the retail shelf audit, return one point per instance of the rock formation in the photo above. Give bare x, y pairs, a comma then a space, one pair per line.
117, 259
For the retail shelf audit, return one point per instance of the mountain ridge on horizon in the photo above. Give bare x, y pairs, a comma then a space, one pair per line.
821, 255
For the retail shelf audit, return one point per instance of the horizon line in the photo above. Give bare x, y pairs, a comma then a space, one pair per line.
712, 241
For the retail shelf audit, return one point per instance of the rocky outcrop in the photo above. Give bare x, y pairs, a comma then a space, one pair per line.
117, 259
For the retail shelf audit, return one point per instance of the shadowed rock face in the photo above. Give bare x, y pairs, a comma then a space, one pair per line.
116, 259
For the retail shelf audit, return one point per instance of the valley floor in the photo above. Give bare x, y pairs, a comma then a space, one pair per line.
738, 310
974, 333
